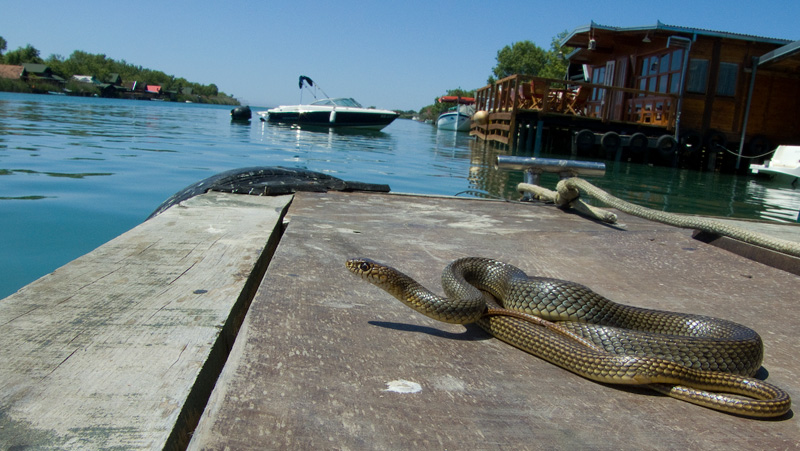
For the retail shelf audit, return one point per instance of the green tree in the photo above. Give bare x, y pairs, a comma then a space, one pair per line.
83, 63
101, 67
527, 58
556, 63
3, 45
523, 57
212, 90
27, 54
56, 64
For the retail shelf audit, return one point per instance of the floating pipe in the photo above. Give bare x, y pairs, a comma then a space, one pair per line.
568, 168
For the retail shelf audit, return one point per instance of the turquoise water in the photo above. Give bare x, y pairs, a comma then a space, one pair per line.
76, 172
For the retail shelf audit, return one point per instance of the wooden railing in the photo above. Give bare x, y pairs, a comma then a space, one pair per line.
518, 93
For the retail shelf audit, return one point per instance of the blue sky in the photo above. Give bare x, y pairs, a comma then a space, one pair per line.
398, 54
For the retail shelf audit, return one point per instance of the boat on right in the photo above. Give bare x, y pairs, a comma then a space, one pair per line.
784, 165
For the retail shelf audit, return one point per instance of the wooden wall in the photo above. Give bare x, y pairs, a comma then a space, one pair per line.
775, 107
775, 110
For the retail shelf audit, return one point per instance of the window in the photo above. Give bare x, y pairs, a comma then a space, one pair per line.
677, 60
660, 72
696, 78
599, 78
726, 81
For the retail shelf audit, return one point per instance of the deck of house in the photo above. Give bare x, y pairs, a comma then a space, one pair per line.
230, 322
519, 103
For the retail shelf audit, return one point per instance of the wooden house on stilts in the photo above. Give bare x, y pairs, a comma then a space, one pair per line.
664, 94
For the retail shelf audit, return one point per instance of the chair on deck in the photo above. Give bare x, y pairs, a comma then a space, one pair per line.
537, 95
525, 96
577, 101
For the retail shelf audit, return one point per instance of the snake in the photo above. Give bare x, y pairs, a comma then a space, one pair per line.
699, 359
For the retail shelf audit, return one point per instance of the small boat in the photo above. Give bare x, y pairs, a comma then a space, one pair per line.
784, 165
339, 112
456, 118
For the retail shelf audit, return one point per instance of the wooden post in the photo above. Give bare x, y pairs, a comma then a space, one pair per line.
537, 147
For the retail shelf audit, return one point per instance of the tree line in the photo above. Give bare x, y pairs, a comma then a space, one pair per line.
101, 67
522, 57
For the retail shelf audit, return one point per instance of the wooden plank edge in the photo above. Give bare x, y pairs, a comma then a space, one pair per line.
758, 254
208, 375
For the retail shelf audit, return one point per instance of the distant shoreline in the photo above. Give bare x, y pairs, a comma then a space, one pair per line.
22, 87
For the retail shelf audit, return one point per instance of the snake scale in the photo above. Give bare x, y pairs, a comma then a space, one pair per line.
698, 359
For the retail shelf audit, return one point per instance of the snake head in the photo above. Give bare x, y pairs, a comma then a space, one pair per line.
367, 269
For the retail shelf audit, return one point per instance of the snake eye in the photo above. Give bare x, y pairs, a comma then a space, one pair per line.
364, 266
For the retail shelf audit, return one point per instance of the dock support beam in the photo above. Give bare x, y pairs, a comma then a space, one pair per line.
537, 146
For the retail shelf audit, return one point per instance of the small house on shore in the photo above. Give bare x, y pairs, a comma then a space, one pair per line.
141, 91
43, 73
721, 96
102, 89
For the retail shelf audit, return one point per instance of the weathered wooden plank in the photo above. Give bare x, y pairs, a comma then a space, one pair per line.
115, 349
312, 364
500, 116
788, 232
499, 126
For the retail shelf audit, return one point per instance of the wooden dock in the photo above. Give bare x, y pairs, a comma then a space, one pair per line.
121, 347
230, 322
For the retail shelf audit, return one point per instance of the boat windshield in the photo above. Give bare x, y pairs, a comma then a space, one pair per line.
340, 101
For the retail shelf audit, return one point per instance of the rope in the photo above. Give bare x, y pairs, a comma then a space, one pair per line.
736, 154
579, 205
568, 191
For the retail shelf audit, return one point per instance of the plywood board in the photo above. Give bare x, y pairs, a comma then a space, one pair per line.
320, 349
115, 349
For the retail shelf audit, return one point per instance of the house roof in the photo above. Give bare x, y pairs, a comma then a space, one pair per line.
577, 37
783, 59
36, 68
11, 71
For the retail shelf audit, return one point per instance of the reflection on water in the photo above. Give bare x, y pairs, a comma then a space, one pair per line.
660, 188
53, 174
778, 201
75, 172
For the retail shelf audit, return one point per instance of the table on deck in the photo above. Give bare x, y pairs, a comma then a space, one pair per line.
319, 347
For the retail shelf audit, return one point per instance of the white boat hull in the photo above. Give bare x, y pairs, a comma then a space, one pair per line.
453, 121
330, 116
784, 165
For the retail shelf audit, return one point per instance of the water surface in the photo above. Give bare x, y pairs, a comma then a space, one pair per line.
76, 172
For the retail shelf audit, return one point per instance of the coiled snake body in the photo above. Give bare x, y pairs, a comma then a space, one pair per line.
690, 357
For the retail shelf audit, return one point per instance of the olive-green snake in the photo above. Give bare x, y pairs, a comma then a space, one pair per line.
694, 358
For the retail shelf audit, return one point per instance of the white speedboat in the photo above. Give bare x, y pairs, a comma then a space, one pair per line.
459, 117
337, 112
784, 165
